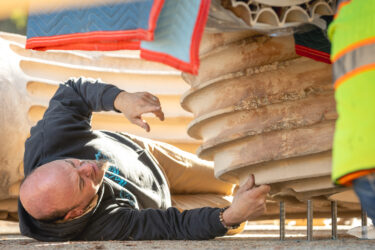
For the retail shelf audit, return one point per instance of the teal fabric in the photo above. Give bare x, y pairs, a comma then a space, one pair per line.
175, 29
103, 17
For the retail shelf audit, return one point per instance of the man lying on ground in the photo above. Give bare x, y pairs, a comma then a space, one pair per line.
82, 184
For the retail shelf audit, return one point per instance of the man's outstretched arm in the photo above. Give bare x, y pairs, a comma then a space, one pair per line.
83, 96
69, 113
118, 223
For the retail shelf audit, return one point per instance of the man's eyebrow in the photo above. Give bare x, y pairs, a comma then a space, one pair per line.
71, 163
80, 179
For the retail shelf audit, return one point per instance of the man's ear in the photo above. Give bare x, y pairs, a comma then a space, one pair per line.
75, 212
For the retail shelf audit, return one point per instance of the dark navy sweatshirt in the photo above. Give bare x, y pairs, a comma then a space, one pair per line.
134, 200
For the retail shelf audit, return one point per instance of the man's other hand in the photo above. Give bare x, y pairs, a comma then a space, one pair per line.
134, 105
248, 203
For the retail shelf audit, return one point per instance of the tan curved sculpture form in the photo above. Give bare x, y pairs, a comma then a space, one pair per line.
259, 108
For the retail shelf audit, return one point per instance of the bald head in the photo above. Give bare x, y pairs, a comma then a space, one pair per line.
61, 188
42, 192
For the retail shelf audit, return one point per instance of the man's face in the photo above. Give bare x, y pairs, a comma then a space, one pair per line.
80, 180
62, 187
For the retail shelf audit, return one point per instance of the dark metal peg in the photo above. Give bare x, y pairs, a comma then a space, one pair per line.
282, 220
310, 220
334, 219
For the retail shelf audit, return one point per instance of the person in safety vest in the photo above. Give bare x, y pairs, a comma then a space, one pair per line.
352, 34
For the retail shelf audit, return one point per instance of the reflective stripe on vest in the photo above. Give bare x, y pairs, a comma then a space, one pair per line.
354, 62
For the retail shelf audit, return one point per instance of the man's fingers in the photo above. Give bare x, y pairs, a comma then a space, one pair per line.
142, 123
264, 189
152, 99
159, 114
261, 190
149, 98
155, 109
150, 109
249, 183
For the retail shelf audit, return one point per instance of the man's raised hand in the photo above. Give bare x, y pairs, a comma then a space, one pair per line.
134, 105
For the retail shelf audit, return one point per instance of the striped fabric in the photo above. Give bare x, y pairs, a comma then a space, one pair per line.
166, 31
312, 42
178, 34
352, 34
111, 25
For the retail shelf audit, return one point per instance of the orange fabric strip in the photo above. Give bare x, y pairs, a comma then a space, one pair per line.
317, 52
89, 37
348, 179
120, 45
353, 46
350, 74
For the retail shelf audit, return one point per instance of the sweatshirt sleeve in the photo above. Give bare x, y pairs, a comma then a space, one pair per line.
67, 120
153, 224
82, 96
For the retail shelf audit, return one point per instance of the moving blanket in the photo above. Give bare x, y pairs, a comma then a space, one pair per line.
166, 31
111, 25
312, 41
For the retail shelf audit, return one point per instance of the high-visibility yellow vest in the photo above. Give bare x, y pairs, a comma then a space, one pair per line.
352, 34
